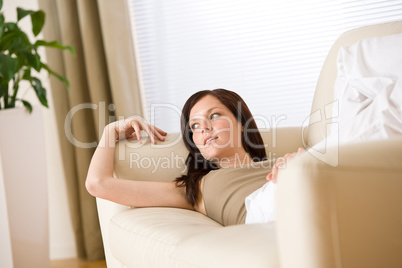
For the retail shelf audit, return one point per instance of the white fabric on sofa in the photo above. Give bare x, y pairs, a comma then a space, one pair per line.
369, 89
260, 204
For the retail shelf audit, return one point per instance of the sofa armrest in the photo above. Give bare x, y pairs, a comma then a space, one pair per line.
349, 215
106, 210
170, 237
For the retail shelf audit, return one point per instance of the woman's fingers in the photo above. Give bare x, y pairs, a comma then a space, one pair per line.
158, 133
162, 132
132, 127
152, 131
281, 163
269, 176
137, 130
274, 173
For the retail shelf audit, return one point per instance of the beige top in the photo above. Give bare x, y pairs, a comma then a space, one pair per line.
224, 191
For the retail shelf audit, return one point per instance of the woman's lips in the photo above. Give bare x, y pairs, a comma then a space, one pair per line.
208, 140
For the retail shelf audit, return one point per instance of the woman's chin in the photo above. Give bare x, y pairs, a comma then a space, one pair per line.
210, 157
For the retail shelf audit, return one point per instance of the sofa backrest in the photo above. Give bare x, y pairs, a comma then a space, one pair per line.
321, 111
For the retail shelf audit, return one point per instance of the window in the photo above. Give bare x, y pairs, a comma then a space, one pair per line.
270, 52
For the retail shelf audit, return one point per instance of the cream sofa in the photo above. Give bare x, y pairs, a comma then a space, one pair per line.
347, 214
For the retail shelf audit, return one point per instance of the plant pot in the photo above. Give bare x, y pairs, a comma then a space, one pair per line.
22, 149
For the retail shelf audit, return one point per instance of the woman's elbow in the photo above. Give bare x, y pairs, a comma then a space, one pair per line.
93, 186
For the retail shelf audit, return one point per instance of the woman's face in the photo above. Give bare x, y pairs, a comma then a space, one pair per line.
216, 131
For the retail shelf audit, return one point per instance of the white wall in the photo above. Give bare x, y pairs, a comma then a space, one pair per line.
62, 243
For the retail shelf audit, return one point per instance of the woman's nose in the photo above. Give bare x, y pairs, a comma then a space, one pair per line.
205, 129
205, 126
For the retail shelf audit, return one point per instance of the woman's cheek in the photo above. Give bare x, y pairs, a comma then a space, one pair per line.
197, 140
227, 133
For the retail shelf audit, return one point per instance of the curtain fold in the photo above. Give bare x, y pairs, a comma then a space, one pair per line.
120, 55
103, 80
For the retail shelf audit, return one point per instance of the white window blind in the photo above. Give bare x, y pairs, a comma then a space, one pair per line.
270, 52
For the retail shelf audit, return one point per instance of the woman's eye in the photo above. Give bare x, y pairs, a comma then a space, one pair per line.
194, 126
215, 115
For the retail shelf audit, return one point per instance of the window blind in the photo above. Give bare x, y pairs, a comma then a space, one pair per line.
270, 52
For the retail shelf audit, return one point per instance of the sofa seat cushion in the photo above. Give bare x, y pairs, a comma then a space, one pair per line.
170, 237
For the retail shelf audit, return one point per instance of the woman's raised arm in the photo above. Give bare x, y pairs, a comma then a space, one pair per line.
101, 183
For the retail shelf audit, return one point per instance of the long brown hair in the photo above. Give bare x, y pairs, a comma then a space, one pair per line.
197, 165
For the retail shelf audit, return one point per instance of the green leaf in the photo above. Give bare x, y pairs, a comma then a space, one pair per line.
11, 26
34, 61
2, 26
38, 20
54, 44
21, 13
1, 4
61, 78
8, 28
3, 89
27, 105
39, 90
14, 41
27, 74
7, 40
8, 67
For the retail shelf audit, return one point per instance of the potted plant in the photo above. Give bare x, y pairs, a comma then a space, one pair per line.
22, 144
19, 57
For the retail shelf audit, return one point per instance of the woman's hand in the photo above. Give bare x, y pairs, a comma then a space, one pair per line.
100, 173
281, 163
132, 126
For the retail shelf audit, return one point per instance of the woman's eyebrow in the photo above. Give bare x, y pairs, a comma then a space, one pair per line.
196, 117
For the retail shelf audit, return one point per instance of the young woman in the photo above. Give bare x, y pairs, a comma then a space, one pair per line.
226, 160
